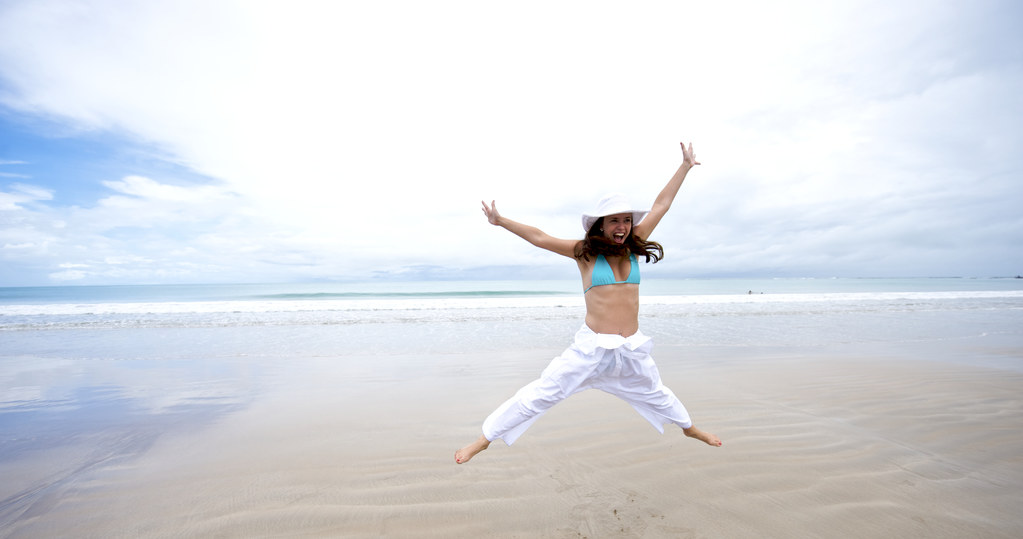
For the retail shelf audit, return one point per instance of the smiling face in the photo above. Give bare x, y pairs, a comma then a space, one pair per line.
617, 227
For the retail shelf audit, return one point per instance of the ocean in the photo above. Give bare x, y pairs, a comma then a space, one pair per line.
389, 317
82, 354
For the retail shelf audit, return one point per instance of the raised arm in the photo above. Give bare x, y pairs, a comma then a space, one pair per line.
667, 195
530, 233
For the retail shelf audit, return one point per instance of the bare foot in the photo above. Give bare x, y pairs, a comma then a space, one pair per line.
464, 454
704, 437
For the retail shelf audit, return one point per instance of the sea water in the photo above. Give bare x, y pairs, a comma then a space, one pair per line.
61, 345
55, 341
336, 319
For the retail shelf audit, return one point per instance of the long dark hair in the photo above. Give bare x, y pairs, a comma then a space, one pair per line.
596, 244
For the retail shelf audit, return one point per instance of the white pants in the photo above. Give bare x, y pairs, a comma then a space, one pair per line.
621, 366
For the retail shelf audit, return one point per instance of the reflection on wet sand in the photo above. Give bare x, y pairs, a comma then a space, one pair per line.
51, 435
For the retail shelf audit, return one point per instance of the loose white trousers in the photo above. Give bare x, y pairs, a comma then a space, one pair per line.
621, 366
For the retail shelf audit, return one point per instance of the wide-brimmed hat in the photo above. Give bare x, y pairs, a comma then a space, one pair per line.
611, 205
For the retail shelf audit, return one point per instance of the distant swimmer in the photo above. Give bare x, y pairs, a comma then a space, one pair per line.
609, 352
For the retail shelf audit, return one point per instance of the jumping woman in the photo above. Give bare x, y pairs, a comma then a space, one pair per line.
609, 352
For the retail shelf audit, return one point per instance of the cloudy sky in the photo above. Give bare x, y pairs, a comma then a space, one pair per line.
246, 141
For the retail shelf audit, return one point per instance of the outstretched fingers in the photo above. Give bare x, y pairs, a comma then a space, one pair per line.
491, 212
688, 155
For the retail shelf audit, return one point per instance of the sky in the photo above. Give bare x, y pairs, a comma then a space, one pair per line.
214, 141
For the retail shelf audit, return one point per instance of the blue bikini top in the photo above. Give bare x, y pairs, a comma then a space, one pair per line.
603, 274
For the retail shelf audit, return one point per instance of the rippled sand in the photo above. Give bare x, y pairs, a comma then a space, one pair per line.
835, 446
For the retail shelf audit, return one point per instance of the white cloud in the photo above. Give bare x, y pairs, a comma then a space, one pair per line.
148, 188
68, 275
349, 138
16, 246
20, 194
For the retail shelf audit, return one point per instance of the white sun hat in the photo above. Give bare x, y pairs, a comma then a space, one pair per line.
610, 205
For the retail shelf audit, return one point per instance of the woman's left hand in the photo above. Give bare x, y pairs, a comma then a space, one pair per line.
688, 157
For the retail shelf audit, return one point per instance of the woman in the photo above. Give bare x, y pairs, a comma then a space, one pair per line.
609, 352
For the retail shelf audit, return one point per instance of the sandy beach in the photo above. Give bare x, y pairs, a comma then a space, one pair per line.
816, 444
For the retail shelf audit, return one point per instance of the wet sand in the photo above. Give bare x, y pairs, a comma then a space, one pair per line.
816, 444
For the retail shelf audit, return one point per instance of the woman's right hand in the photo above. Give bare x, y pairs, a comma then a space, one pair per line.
491, 212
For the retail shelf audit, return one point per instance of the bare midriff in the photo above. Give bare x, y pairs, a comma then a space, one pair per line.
613, 309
